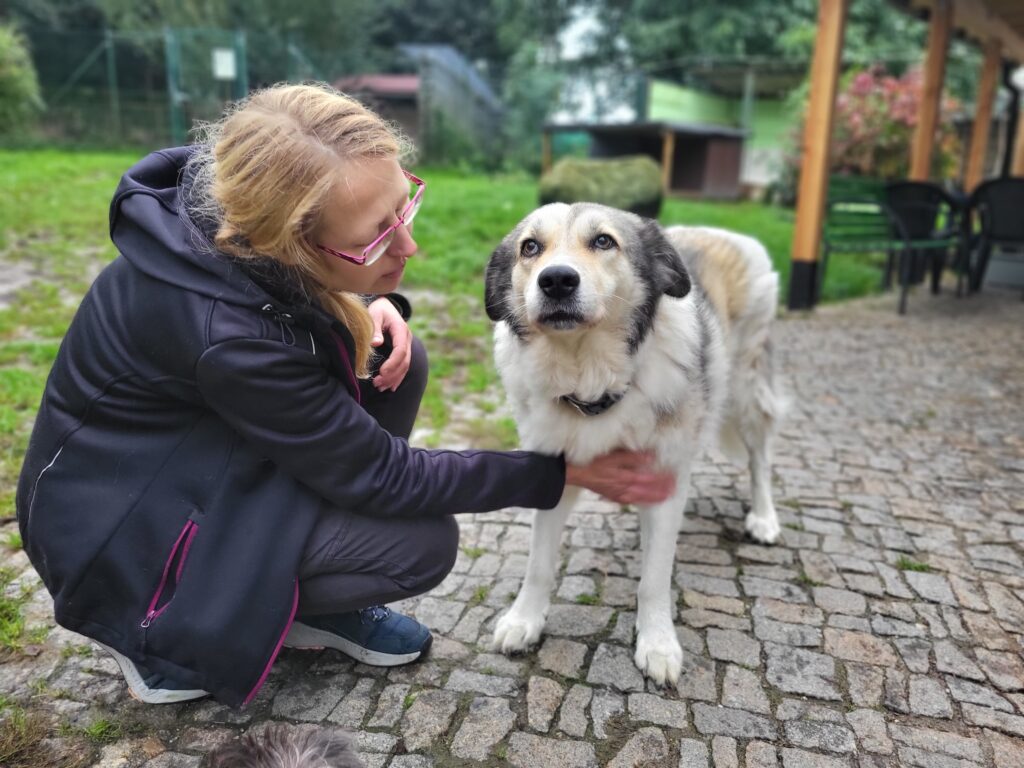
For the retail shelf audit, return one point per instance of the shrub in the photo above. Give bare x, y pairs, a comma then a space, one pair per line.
632, 183
19, 89
873, 128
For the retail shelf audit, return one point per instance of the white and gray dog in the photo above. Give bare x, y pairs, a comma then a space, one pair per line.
287, 746
614, 333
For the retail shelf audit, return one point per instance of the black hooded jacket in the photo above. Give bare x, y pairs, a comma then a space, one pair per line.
194, 425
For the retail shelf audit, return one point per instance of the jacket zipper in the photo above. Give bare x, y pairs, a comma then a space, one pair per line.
284, 321
175, 562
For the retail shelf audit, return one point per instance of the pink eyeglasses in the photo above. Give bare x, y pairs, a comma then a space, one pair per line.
379, 247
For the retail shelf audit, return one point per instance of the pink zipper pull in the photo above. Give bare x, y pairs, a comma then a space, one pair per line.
148, 620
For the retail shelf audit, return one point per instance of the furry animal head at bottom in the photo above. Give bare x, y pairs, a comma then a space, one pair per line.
283, 746
568, 267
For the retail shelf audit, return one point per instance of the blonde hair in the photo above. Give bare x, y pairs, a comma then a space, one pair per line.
264, 173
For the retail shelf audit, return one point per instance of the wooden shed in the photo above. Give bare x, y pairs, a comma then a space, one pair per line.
695, 159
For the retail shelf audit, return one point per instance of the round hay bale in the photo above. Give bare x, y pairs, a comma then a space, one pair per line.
632, 183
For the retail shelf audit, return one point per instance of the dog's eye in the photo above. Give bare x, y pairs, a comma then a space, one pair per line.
529, 248
603, 242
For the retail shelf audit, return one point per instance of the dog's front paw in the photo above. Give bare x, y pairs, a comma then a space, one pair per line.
515, 632
763, 528
659, 656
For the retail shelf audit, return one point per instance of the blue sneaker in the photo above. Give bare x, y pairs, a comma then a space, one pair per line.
151, 687
374, 636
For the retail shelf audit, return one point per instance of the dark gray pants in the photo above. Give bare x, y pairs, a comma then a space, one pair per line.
352, 561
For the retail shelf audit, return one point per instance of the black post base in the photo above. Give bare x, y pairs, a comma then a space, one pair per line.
803, 284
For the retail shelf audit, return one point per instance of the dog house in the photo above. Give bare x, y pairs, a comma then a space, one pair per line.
696, 159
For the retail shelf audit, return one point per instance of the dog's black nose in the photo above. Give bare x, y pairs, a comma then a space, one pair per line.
559, 282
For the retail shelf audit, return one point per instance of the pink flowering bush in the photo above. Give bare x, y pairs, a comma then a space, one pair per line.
873, 128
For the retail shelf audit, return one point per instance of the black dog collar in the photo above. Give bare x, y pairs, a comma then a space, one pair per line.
594, 407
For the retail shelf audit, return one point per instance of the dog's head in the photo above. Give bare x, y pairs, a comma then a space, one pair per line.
566, 267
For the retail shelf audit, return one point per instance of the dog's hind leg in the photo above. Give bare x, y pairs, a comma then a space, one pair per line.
521, 627
658, 653
759, 409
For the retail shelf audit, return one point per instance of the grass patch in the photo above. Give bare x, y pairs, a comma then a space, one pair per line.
480, 594
588, 598
13, 541
906, 564
807, 581
794, 526
473, 552
21, 738
12, 623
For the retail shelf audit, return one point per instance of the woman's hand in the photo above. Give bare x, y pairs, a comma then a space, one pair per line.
388, 320
628, 477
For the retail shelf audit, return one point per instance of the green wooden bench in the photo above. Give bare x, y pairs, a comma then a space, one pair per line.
913, 223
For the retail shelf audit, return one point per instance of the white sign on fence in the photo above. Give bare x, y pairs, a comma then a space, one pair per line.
224, 67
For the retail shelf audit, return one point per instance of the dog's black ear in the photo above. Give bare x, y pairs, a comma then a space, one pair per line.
670, 274
498, 280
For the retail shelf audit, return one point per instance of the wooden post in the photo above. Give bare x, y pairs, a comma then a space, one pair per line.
931, 95
803, 277
668, 156
990, 69
545, 152
1017, 169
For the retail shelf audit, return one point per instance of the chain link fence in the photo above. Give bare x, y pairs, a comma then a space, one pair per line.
149, 88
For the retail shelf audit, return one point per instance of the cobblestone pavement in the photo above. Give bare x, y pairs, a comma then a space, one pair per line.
887, 629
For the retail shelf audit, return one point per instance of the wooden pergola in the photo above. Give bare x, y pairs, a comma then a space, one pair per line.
997, 25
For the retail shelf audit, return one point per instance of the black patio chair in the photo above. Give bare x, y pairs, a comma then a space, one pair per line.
928, 220
998, 205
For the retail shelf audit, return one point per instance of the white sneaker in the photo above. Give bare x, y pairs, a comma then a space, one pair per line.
150, 687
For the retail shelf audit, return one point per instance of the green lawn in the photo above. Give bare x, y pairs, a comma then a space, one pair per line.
53, 222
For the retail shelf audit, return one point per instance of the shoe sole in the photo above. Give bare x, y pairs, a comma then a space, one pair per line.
140, 691
304, 636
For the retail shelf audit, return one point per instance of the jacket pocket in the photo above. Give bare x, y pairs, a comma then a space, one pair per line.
171, 575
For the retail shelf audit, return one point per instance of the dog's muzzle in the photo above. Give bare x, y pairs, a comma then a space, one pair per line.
560, 304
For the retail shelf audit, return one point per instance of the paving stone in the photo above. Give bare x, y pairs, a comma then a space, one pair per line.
353, 708
1007, 752
698, 618
779, 590
714, 603
799, 758
789, 613
760, 754
723, 752
795, 670
528, 751
1008, 607
440, 615
732, 722
893, 581
646, 747
931, 740
741, 689
965, 691
737, 647
411, 761
824, 736
839, 600
542, 699
563, 657
577, 620
488, 721
1005, 670
708, 585
992, 718
697, 679
949, 658
865, 683
310, 699
428, 718
693, 753
894, 691
491, 685
869, 725
931, 586
928, 698
858, 646
389, 706
787, 634
648, 708
603, 707
915, 654
613, 665
573, 719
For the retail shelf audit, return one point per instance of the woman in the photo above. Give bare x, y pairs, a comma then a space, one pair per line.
216, 452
